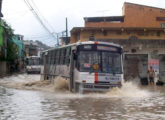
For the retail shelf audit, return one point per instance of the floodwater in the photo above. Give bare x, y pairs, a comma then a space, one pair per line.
24, 97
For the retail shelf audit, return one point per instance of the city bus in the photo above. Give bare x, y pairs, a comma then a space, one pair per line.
90, 66
33, 64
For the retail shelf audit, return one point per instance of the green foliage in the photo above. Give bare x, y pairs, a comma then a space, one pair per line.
12, 51
8, 31
12, 48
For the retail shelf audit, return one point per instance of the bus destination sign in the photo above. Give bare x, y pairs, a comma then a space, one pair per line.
107, 48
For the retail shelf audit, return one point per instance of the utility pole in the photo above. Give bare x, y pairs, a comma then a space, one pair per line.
57, 40
66, 42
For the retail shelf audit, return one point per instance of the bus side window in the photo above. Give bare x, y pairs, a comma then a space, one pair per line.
54, 57
61, 56
60, 51
67, 60
57, 57
48, 58
64, 57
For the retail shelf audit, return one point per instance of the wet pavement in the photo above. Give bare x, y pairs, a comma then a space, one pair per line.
21, 102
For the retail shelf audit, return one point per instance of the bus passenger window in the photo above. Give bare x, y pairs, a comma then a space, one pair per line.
64, 56
67, 60
54, 57
57, 57
48, 58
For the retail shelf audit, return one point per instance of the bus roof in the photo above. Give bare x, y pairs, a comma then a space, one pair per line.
86, 42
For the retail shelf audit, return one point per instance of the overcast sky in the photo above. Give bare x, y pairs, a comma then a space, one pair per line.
19, 16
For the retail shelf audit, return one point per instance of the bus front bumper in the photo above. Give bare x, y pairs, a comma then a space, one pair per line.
85, 88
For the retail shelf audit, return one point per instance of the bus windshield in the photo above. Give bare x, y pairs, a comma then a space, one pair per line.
99, 61
33, 61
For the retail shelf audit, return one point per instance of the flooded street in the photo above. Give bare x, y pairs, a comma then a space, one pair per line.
22, 99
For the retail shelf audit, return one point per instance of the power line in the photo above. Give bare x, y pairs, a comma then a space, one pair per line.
39, 18
37, 10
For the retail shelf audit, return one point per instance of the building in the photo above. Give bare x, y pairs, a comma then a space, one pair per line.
141, 32
18, 40
30, 48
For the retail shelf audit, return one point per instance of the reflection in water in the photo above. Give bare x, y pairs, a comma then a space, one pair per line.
48, 102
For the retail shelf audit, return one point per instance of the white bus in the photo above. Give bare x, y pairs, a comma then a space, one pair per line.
33, 64
88, 66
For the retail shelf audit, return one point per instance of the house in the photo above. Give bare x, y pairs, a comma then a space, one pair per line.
18, 40
30, 48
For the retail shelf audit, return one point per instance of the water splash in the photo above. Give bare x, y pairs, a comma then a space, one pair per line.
60, 85
33, 82
129, 89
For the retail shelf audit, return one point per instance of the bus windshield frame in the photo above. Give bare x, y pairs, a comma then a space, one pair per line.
99, 58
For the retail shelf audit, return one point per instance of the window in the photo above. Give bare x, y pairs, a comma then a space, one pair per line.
33, 61
55, 51
49, 57
61, 56
89, 59
64, 56
111, 62
163, 25
94, 61
160, 18
67, 59
57, 57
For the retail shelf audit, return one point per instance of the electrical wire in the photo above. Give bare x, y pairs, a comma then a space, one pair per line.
39, 19
37, 10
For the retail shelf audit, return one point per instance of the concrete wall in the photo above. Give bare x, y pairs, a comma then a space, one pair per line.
98, 34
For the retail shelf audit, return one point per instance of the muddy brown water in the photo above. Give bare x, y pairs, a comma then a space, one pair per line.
24, 97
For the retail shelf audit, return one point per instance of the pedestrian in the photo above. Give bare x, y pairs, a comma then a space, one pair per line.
151, 75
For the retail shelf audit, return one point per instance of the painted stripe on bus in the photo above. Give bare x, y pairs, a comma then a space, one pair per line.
96, 77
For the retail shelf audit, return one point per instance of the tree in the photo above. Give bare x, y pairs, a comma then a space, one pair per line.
12, 48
